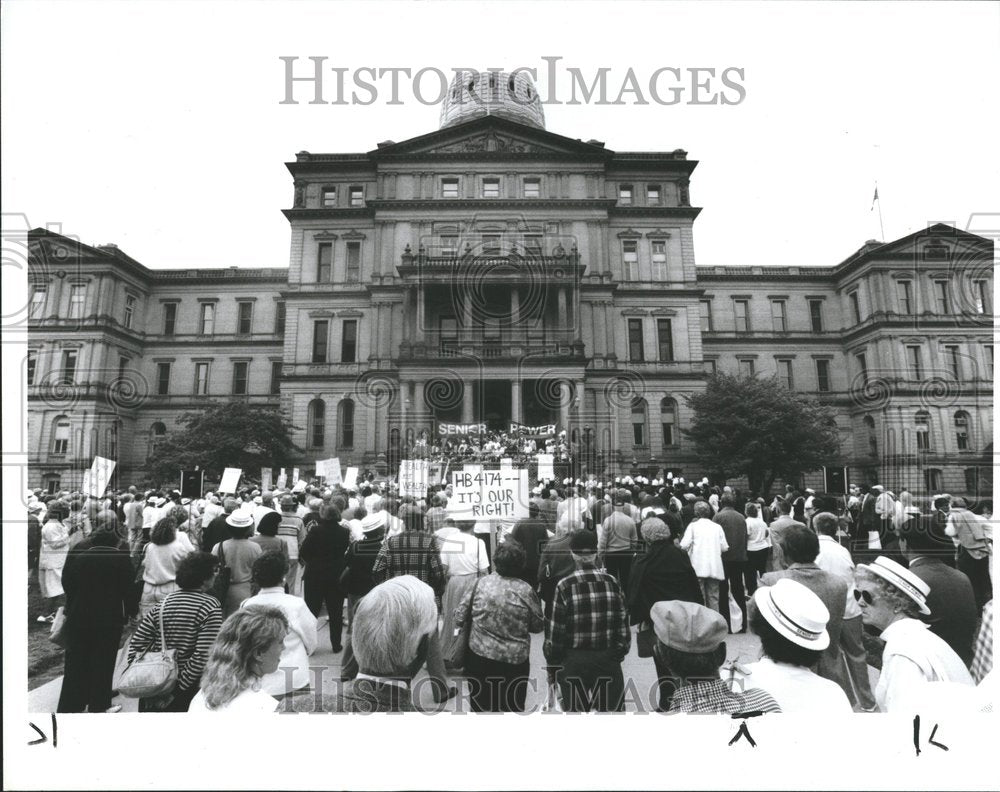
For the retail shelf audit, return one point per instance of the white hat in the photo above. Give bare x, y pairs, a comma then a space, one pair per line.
810, 490
902, 578
239, 519
795, 613
878, 487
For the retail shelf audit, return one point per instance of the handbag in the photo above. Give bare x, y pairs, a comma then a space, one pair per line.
57, 634
645, 639
220, 587
151, 674
456, 658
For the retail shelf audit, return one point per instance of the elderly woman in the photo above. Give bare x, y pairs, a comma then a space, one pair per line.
247, 649
758, 547
790, 621
269, 574
504, 611
324, 553
705, 541
52, 557
267, 534
164, 552
891, 599
238, 553
463, 554
191, 620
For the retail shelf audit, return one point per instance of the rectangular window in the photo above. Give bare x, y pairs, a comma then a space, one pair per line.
710, 367
923, 432
162, 379
741, 310
862, 361
69, 367
532, 188
954, 367
38, 297
329, 197
746, 368
914, 358
244, 319
201, 379
169, 318
240, 377
665, 339
349, 341
659, 256
785, 374
32, 363
816, 315
275, 377
941, 297
357, 196
653, 194
823, 375
122, 366
449, 188
491, 244
533, 244
635, 351
904, 295
962, 432
207, 318
630, 257
321, 329
982, 294
324, 262
449, 245
778, 318
279, 317
491, 188
353, 261
130, 303
705, 312
855, 307
77, 296
638, 434
60, 438
625, 194
988, 351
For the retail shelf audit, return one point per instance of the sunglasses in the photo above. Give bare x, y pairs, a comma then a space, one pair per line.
861, 594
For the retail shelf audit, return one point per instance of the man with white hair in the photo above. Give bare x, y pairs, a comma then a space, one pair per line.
391, 635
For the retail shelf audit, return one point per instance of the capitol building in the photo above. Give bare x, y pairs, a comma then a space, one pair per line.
491, 271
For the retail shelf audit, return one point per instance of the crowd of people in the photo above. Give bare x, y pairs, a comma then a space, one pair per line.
236, 585
488, 446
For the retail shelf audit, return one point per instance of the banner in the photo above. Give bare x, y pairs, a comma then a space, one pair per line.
413, 477
95, 480
230, 480
192, 483
265, 479
545, 430
452, 429
489, 494
545, 469
350, 477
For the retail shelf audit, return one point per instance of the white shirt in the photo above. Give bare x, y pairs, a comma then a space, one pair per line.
836, 559
576, 507
705, 542
300, 641
249, 702
912, 658
758, 536
884, 505
796, 689
259, 512
463, 554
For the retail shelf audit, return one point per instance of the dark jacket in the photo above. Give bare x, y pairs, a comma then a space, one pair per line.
555, 564
100, 592
952, 604
360, 559
216, 531
734, 525
324, 550
360, 696
533, 536
663, 572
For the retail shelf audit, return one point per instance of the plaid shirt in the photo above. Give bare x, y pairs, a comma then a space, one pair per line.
411, 553
715, 697
588, 612
982, 654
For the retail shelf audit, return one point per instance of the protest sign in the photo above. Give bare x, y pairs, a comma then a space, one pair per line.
265, 479
489, 494
282, 479
413, 477
445, 429
295, 475
333, 471
192, 483
350, 477
95, 480
230, 480
545, 430
546, 470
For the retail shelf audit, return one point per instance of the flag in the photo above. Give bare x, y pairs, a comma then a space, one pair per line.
874, 199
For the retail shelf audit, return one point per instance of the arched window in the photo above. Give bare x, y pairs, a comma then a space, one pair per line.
962, 430
156, 434
639, 422
60, 435
316, 421
668, 419
923, 430
346, 422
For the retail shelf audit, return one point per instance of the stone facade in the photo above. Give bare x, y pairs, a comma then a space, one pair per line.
494, 271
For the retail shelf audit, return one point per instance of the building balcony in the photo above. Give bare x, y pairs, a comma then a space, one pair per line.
518, 266
516, 347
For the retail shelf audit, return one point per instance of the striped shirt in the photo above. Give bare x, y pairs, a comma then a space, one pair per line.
588, 612
191, 621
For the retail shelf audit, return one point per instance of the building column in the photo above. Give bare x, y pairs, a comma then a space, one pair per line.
93, 295
54, 296
419, 408
564, 406
563, 321
404, 409
420, 313
467, 405
515, 401
609, 335
579, 401
466, 333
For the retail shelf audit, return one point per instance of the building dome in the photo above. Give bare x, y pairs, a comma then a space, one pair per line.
492, 93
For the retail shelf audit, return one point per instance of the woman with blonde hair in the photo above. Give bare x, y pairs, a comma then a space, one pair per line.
247, 649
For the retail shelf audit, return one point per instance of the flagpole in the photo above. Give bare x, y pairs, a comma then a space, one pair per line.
878, 200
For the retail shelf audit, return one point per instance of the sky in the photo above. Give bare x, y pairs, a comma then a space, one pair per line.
159, 126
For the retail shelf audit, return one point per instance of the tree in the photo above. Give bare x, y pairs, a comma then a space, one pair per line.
760, 428
230, 434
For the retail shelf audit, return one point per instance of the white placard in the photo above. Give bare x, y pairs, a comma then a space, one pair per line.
506, 462
265, 479
333, 471
282, 479
320, 469
95, 480
230, 480
545, 469
350, 477
295, 475
489, 494
413, 477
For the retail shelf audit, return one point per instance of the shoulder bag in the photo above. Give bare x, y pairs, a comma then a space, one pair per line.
459, 649
151, 674
220, 588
